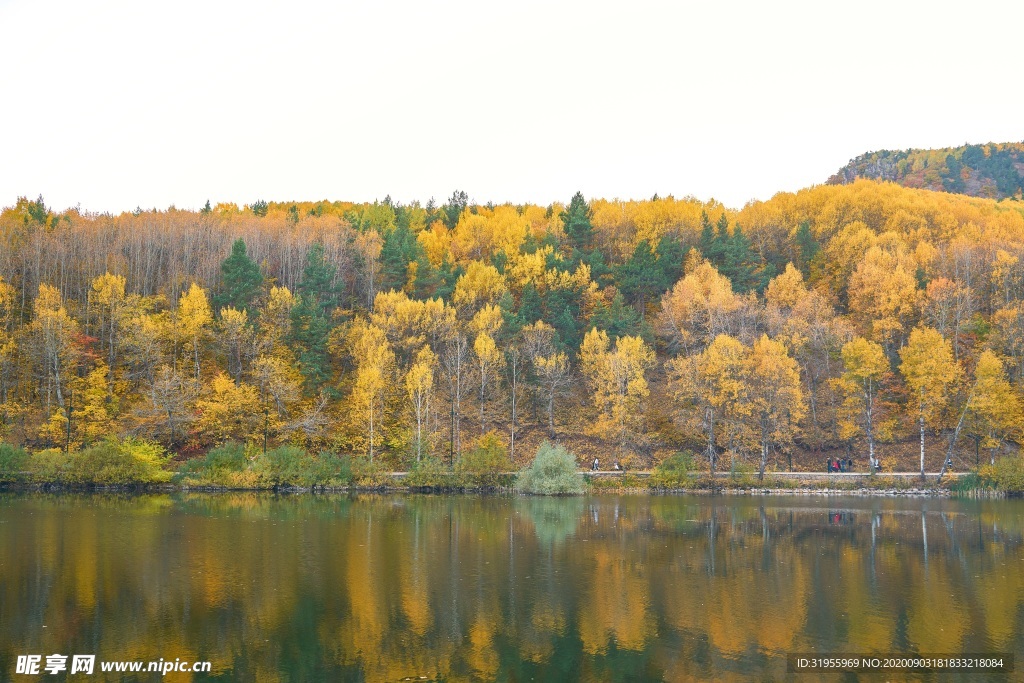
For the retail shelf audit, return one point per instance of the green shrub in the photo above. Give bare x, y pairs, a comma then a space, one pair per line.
969, 482
742, 473
1007, 474
431, 472
114, 462
282, 466
675, 471
370, 475
328, 469
552, 472
234, 465
221, 466
229, 457
50, 466
13, 461
293, 466
485, 462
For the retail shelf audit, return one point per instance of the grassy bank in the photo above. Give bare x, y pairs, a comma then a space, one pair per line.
134, 463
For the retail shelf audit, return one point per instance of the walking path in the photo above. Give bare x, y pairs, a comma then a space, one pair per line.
838, 476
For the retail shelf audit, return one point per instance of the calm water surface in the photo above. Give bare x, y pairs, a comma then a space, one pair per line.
381, 588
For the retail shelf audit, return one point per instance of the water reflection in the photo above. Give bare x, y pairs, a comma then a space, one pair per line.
462, 588
554, 519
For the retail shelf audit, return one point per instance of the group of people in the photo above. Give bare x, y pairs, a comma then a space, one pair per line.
839, 465
595, 466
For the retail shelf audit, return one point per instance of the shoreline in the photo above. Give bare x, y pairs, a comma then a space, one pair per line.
742, 490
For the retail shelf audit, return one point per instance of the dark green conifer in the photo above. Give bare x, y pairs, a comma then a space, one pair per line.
241, 279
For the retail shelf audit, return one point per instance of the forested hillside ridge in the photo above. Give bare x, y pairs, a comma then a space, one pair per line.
993, 170
853, 319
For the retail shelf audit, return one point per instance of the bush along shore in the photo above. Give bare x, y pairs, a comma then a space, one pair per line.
130, 463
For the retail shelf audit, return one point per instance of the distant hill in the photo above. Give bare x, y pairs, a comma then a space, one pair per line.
994, 170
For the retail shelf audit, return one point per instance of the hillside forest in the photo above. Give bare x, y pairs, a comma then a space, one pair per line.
862, 318
993, 170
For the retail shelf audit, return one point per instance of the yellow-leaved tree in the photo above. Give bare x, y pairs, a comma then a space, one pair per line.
235, 336
369, 244
280, 385
931, 372
698, 308
994, 410
480, 284
228, 410
550, 369
708, 388
883, 295
419, 385
8, 345
773, 395
275, 319
107, 298
486, 323
94, 411
170, 402
487, 358
375, 370
148, 340
866, 370
192, 322
617, 376
52, 336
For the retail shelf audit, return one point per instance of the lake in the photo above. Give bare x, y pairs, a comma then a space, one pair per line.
461, 587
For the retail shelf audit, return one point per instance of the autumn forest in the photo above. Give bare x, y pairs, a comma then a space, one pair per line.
859, 319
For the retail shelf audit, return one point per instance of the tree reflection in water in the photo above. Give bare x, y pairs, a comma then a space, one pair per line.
466, 587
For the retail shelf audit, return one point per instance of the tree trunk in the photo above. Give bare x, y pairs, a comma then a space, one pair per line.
921, 425
483, 386
371, 429
870, 424
764, 459
551, 413
419, 430
712, 451
512, 429
764, 449
956, 435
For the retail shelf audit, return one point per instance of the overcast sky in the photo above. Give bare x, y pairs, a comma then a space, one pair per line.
113, 105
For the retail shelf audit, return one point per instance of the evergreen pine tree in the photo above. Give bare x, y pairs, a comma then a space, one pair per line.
452, 211
562, 311
706, 241
530, 305
671, 256
400, 248
807, 247
640, 278
720, 248
576, 223
600, 272
617, 319
240, 280
740, 262
312, 317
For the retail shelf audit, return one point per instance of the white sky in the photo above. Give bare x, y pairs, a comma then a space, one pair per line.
113, 104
